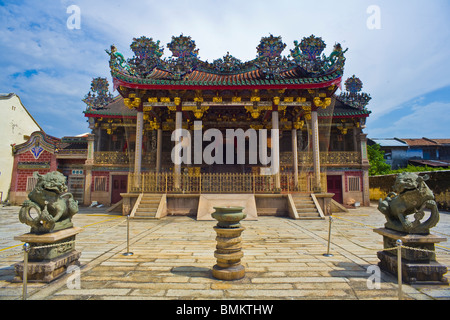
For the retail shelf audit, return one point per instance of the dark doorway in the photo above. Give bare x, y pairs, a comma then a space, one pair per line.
334, 185
119, 185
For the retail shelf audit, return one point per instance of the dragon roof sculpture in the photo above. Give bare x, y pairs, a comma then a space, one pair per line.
304, 65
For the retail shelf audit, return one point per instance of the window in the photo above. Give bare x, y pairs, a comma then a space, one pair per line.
354, 184
100, 184
31, 183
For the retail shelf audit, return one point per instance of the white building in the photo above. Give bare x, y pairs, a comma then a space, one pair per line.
16, 125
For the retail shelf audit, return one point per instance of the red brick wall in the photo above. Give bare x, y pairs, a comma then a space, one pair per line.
20, 175
45, 156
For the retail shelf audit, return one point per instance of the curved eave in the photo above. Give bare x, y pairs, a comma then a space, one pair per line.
307, 83
106, 114
355, 114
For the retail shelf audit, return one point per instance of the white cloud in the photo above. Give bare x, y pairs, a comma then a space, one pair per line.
424, 120
407, 58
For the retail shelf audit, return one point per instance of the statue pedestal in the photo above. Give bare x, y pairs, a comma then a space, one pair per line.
47, 263
229, 248
228, 254
419, 267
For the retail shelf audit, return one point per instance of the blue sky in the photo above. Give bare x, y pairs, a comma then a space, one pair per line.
404, 64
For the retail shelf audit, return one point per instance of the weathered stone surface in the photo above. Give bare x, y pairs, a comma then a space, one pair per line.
50, 254
414, 272
47, 270
229, 249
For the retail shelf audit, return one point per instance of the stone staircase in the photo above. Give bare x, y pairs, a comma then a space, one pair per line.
146, 206
306, 207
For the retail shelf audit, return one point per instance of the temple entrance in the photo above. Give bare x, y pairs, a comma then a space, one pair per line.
119, 185
335, 186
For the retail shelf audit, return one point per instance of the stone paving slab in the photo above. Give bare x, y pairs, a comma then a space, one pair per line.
173, 258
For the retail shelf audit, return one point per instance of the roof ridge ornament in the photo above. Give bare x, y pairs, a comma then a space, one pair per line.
147, 55
269, 58
184, 56
353, 97
307, 55
227, 64
305, 61
99, 96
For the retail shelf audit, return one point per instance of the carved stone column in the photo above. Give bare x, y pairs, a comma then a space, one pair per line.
316, 151
88, 170
276, 148
295, 157
138, 146
365, 167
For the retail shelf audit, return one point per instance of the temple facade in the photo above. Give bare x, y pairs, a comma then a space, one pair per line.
270, 126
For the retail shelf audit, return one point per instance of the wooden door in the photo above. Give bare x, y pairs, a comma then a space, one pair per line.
119, 185
334, 185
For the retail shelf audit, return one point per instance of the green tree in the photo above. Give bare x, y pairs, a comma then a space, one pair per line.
411, 168
376, 160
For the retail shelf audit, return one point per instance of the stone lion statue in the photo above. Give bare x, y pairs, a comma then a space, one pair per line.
411, 196
52, 205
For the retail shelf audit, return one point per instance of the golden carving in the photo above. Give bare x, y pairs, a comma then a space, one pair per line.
254, 112
343, 129
299, 124
198, 112
276, 100
322, 103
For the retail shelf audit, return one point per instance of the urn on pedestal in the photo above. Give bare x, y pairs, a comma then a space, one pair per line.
228, 249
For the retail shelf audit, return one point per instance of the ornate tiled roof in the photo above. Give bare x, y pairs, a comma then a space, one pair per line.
117, 109
305, 67
37, 142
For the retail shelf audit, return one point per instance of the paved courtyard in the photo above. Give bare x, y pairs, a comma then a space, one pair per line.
173, 257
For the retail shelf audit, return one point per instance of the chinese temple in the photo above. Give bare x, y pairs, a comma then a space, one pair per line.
313, 137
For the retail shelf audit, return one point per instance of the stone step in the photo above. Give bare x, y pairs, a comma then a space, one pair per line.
148, 207
150, 201
305, 205
310, 217
307, 210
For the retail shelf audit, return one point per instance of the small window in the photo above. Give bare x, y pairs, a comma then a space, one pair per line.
100, 184
354, 184
31, 183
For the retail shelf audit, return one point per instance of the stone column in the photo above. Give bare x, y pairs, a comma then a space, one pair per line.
138, 147
276, 149
88, 170
158, 150
295, 157
229, 248
178, 127
365, 167
316, 151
